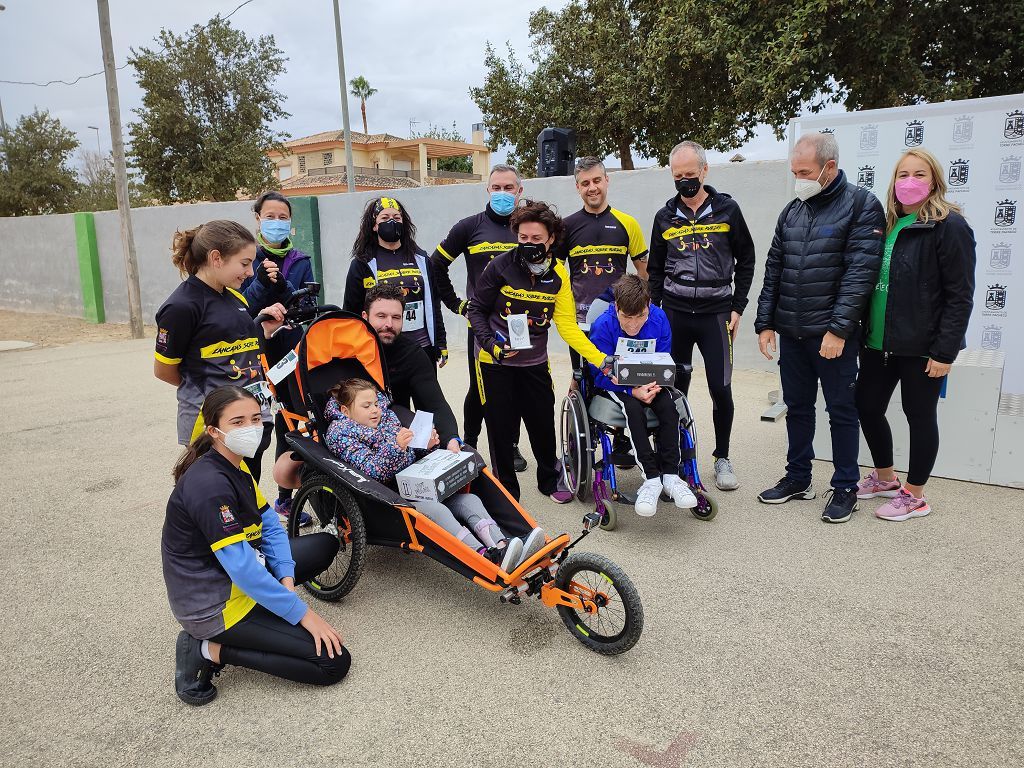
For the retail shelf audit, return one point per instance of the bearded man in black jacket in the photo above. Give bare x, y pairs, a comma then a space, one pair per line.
821, 269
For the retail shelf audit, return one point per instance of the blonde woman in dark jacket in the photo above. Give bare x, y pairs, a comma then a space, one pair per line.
914, 328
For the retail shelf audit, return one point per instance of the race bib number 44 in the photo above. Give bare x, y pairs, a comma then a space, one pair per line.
415, 319
627, 346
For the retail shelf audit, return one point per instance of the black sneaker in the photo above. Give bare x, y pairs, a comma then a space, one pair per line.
519, 462
192, 672
841, 505
786, 490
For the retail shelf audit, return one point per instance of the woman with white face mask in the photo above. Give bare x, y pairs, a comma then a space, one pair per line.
914, 328
230, 569
205, 335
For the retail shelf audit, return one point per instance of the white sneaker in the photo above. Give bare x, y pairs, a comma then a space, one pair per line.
680, 492
647, 498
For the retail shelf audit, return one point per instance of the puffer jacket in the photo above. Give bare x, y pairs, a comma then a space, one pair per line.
823, 263
931, 290
374, 452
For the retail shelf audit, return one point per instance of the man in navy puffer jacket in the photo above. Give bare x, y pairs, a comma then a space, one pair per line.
822, 266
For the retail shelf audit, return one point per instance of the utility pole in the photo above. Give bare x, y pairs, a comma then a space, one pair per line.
350, 171
131, 267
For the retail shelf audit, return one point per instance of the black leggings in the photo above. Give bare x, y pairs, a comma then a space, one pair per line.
472, 409
515, 393
710, 333
267, 643
666, 461
920, 394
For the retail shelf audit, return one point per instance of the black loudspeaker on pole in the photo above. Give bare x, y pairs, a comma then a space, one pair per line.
556, 151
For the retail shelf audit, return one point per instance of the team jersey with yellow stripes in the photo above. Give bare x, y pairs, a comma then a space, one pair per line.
507, 288
479, 238
213, 505
597, 248
212, 339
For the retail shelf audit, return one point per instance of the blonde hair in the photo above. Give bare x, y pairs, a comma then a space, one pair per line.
935, 207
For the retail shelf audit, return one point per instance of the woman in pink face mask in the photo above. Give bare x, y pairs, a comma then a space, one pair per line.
915, 326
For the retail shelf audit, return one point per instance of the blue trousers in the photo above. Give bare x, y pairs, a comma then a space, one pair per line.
802, 369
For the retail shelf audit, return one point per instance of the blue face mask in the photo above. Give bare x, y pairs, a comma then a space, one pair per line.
275, 230
503, 203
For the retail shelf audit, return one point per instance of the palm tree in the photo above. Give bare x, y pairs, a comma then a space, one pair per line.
362, 91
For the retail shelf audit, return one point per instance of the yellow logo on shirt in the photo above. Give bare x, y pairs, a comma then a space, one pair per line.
486, 247
524, 295
695, 229
597, 250
369, 282
228, 348
391, 274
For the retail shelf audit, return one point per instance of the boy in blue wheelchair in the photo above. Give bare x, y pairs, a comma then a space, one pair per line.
633, 317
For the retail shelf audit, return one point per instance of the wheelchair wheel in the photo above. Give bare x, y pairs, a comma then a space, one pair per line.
619, 620
610, 518
706, 508
332, 509
575, 439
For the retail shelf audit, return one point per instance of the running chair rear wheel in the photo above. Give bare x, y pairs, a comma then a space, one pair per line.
333, 509
706, 508
619, 620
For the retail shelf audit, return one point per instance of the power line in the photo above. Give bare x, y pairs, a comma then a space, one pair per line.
95, 74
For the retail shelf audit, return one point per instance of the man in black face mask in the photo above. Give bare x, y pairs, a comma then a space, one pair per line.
700, 270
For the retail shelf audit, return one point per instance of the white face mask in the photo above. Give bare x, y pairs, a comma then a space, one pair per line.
539, 269
807, 188
244, 441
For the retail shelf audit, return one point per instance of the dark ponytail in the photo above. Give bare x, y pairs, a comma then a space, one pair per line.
213, 407
190, 248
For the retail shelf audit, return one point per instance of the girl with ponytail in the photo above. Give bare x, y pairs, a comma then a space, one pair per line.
205, 335
230, 569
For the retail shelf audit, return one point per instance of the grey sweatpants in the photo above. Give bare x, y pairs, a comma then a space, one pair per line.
461, 515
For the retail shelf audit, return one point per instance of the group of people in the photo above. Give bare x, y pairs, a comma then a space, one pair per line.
848, 287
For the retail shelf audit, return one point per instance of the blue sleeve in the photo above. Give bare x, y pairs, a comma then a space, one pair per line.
260, 296
603, 337
664, 342
300, 274
239, 560
276, 547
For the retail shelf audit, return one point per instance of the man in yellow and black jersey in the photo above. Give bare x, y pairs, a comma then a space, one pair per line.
479, 238
700, 271
599, 240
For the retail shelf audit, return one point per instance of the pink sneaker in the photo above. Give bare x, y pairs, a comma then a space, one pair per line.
871, 486
903, 507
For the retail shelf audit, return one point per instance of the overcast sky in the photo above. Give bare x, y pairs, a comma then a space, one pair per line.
421, 56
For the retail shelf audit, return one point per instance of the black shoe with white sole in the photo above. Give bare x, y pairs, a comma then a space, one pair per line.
786, 490
518, 462
841, 505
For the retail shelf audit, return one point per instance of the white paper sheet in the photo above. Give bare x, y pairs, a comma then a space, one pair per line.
422, 428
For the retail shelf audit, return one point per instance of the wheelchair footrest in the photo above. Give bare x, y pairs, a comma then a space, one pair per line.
622, 460
624, 497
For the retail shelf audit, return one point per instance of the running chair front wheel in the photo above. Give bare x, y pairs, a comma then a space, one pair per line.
575, 440
615, 626
333, 509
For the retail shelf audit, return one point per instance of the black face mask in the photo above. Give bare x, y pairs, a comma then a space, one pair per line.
533, 253
390, 231
688, 187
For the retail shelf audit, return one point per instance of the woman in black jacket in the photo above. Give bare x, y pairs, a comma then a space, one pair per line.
385, 253
915, 327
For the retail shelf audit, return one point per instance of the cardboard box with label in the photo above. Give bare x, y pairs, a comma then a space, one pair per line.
638, 370
437, 475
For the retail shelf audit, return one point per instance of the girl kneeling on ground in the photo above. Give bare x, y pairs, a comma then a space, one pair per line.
367, 434
231, 570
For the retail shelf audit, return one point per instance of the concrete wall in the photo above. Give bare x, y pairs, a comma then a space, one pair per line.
40, 269
761, 189
39, 265
154, 230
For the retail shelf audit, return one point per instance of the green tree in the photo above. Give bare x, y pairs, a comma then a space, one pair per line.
208, 102
361, 90
35, 177
96, 190
461, 164
586, 75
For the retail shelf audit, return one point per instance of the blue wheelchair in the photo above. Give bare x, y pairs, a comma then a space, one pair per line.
592, 435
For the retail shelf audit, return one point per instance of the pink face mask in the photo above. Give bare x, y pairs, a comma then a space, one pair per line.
911, 191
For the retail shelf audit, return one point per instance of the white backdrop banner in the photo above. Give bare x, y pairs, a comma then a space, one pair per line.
980, 143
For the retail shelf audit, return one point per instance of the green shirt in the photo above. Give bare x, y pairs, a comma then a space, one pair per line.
880, 296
